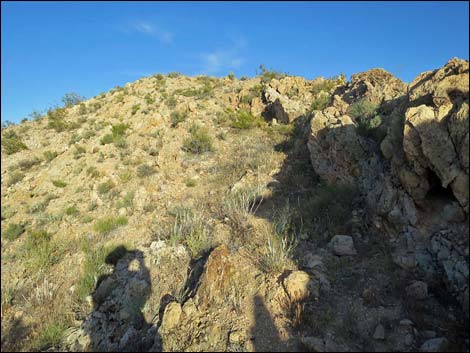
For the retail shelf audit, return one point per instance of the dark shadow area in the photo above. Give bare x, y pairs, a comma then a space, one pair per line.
264, 333
117, 322
13, 333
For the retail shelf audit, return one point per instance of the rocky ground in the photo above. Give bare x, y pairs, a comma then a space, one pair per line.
266, 214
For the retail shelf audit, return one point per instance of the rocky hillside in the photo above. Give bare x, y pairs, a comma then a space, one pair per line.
266, 214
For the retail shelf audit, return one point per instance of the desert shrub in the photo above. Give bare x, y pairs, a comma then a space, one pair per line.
26, 164
320, 103
78, 152
13, 231
231, 76
190, 229
127, 201
135, 108
39, 250
119, 129
56, 119
49, 155
125, 175
15, 177
367, 119
174, 74
171, 102
117, 136
71, 99
328, 84
11, 143
149, 99
72, 211
277, 253
94, 266
190, 182
108, 138
82, 109
107, 225
144, 170
92, 172
267, 75
50, 336
59, 183
332, 206
199, 141
105, 187
238, 206
177, 117
246, 120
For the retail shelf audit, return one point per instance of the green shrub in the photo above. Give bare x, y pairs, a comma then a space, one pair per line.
107, 225
171, 102
367, 119
245, 120
50, 336
71, 99
13, 231
127, 201
72, 211
108, 138
78, 152
11, 143
174, 74
145, 170
56, 119
190, 183
267, 75
125, 175
49, 156
82, 109
92, 172
26, 164
332, 206
39, 250
14, 178
94, 266
231, 76
177, 117
320, 102
59, 183
199, 141
105, 187
135, 108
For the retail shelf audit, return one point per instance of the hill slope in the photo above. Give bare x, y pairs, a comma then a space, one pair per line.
272, 213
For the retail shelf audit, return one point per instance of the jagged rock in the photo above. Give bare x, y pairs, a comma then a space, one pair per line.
417, 290
434, 345
216, 279
276, 111
342, 245
375, 85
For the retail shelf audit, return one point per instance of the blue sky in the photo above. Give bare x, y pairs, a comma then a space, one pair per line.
51, 48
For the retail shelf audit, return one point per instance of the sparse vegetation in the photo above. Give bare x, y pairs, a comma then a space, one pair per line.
59, 183
145, 170
239, 205
107, 225
49, 155
177, 117
105, 187
11, 143
199, 141
246, 120
40, 252
15, 177
13, 231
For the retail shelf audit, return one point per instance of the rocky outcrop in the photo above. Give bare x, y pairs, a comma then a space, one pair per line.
418, 173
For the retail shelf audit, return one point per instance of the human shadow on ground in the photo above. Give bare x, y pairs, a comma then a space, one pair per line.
117, 322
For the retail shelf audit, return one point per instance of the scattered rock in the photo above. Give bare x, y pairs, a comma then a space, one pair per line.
342, 245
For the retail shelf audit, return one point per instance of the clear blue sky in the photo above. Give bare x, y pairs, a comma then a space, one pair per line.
49, 49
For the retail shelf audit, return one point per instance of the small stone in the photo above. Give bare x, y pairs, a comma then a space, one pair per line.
417, 290
342, 245
379, 333
171, 316
434, 345
299, 285
236, 337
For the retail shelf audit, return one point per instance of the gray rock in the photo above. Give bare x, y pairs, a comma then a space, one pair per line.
434, 345
342, 245
417, 290
379, 333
